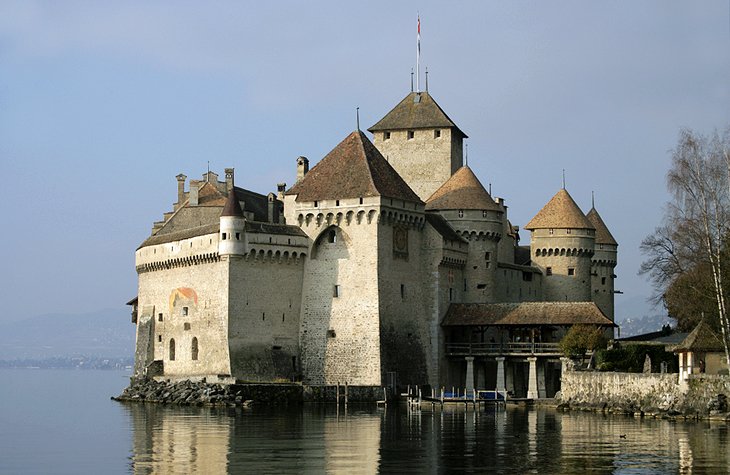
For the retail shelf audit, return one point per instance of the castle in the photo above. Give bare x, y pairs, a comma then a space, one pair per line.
387, 263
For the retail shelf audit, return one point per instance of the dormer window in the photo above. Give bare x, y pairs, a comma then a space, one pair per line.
411, 134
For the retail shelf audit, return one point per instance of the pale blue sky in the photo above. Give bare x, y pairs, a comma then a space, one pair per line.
103, 103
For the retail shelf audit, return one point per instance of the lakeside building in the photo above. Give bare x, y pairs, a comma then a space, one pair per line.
370, 271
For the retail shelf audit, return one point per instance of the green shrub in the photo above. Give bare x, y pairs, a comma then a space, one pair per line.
630, 359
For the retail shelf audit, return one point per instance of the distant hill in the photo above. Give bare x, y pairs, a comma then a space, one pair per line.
636, 316
106, 333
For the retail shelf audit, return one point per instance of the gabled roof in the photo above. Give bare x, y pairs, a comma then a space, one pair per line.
702, 338
525, 314
560, 212
353, 169
232, 206
462, 190
603, 235
417, 111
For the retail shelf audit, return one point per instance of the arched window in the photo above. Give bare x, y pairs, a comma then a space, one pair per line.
172, 349
194, 349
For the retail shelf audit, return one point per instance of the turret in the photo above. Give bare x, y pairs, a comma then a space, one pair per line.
562, 245
603, 265
421, 142
232, 227
472, 212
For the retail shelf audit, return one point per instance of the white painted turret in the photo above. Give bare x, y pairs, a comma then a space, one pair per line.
231, 239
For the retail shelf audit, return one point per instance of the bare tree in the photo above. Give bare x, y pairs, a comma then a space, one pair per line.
697, 221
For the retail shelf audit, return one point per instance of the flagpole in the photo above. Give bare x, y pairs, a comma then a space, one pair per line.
418, 56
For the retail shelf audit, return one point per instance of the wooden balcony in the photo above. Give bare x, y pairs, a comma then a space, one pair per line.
503, 349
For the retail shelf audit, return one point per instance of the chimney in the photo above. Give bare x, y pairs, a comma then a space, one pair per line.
194, 184
280, 188
302, 167
229, 179
180, 190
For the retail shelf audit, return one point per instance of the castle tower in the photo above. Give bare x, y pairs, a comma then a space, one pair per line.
232, 227
421, 142
360, 305
562, 244
473, 214
603, 265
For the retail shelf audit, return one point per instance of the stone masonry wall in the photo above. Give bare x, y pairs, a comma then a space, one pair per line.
423, 161
189, 302
264, 304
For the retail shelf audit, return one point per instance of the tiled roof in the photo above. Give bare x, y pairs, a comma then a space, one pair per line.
560, 212
180, 235
443, 227
353, 169
525, 313
417, 111
603, 235
232, 206
462, 190
702, 338
271, 228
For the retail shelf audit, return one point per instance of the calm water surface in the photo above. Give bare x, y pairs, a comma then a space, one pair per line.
62, 421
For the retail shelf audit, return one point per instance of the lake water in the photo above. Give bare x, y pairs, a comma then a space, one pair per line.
62, 421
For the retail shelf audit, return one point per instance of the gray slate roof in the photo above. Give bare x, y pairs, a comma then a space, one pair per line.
526, 314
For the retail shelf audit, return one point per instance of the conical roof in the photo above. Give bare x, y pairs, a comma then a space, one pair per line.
603, 235
462, 190
232, 206
702, 338
417, 111
560, 212
354, 168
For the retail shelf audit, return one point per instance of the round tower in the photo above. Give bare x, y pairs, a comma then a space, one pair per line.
232, 226
562, 244
474, 215
603, 265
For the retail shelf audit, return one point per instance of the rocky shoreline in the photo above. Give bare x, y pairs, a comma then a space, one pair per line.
190, 393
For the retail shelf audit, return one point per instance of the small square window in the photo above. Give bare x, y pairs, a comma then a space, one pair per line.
386, 135
571, 271
331, 333
337, 291
568, 231
185, 311
548, 271
187, 326
551, 231
484, 213
436, 133
411, 134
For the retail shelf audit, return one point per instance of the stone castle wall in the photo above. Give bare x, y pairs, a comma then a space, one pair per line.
190, 302
560, 253
264, 305
423, 161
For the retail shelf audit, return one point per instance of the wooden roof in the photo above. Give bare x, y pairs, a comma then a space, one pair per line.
417, 110
702, 338
525, 314
560, 212
603, 235
353, 169
462, 190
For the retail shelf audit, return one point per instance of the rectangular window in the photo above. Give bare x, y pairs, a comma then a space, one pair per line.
603, 281
159, 338
186, 326
184, 311
451, 294
487, 256
337, 291
238, 236
464, 285
159, 317
386, 135
548, 271
436, 133
461, 213
411, 134
402, 291
568, 231
571, 271
551, 231
315, 204
223, 236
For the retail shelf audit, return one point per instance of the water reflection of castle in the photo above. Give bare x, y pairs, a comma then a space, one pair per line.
322, 439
